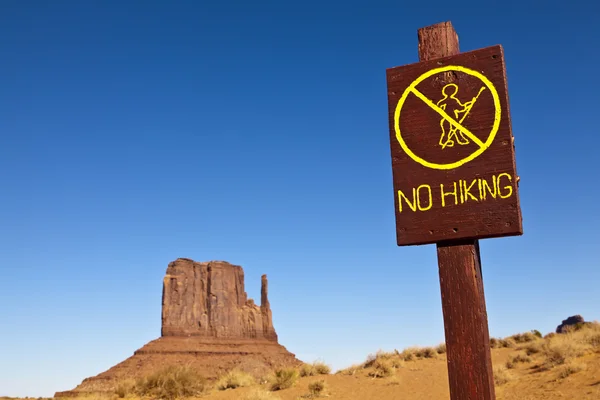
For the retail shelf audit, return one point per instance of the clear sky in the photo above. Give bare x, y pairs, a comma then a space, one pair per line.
137, 132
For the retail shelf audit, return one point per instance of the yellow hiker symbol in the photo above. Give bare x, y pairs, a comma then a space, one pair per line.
453, 106
452, 112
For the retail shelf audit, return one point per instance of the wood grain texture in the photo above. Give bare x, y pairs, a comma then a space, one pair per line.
465, 322
478, 199
461, 282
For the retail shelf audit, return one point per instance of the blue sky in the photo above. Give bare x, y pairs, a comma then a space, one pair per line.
137, 132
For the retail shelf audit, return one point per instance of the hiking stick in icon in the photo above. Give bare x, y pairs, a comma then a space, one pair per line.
452, 105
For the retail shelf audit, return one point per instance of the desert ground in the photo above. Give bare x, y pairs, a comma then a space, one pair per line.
527, 366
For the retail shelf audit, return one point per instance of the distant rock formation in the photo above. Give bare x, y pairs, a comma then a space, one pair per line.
208, 322
208, 299
571, 321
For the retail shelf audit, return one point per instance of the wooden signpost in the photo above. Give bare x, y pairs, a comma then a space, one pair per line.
455, 182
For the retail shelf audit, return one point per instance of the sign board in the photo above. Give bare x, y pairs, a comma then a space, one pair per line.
453, 158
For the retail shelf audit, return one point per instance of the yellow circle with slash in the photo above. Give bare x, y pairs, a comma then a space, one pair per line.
483, 146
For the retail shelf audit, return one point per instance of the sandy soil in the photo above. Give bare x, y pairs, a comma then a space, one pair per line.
427, 380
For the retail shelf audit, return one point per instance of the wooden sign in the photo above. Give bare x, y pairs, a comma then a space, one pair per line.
453, 158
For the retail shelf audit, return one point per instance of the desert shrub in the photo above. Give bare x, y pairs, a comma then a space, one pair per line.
501, 376
441, 348
533, 348
408, 354
519, 358
524, 337
570, 368
497, 343
125, 388
307, 370
370, 360
429, 352
549, 335
563, 348
396, 362
594, 340
424, 352
352, 370
284, 378
381, 368
316, 368
234, 379
321, 368
317, 388
260, 394
590, 335
574, 328
537, 333
381, 355
171, 382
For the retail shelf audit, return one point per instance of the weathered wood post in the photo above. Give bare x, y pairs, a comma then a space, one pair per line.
455, 182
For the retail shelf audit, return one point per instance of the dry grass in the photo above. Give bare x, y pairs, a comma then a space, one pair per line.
502, 343
502, 376
525, 337
316, 368
570, 368
125, 388
556, 358
284, 378
414, 353
408, 354
322, 368
519, 358
351, 370
533, 348
589, 334
560, 349
171, 382
383, 363
396, 362
441, 348
380, 355
426, 352
381, 368
234, 379
317, 388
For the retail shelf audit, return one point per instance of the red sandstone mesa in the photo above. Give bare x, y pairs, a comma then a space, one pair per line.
208, 299
208, 322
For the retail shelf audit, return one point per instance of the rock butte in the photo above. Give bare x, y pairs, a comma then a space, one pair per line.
208, 322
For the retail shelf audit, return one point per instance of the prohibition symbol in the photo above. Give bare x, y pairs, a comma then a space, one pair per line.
452, 130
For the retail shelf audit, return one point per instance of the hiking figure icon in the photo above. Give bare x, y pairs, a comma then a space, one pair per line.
454, 108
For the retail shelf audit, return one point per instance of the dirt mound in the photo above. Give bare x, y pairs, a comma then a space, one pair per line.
209, 323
